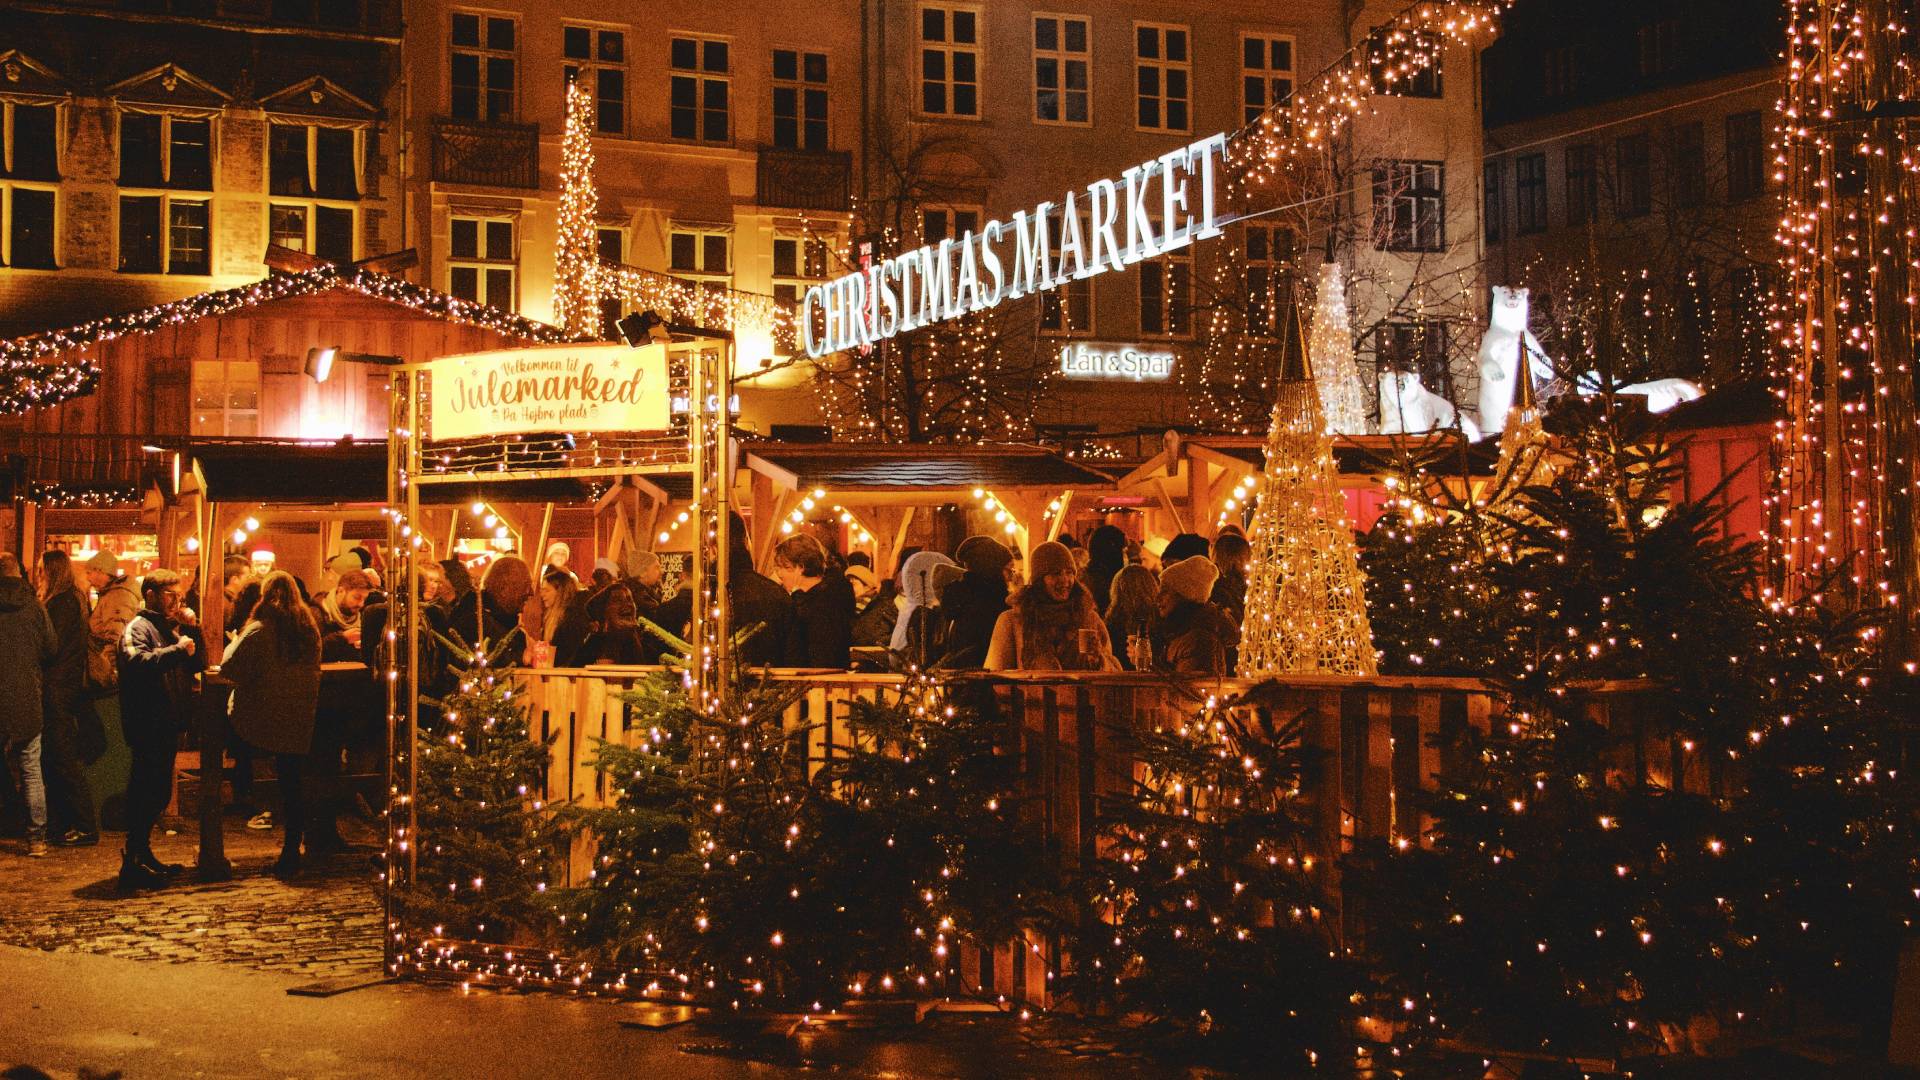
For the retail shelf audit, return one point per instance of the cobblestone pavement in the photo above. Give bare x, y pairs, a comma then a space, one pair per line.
326, 924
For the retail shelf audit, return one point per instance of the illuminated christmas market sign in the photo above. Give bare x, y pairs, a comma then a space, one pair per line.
1157, 206
1081, 360
553, 388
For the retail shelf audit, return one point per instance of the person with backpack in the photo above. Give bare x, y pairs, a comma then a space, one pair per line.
114, 605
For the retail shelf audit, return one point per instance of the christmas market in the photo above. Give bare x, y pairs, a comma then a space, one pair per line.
1372, 539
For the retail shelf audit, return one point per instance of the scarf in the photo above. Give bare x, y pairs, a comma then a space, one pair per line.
1048, 627
332, 607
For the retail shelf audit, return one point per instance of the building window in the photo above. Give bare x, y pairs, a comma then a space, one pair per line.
1405, 63
944, 223
1746, 156
483, 65
1633, 168
799, 100
226, 398
325, 231
703, 255
1266, 74
1583, 184
701, 89
1267, 255
32, 150
1659, 44
481, 262
1062, 62
1560, 75
1687, 165
163, 151
1530, 193
1166, 295
610, 243
313, 174
949, 60
1066, 310
1409, 206
164, 234
798, 264
597, 59
1161, 73
1494, 213
1419, 347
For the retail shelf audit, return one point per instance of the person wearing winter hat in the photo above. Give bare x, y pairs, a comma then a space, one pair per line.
605, 570
1052, 624
874, 610
919, 631
115, 604
1192, 636
1152, 553
973, 604
1184, 546
1106, 554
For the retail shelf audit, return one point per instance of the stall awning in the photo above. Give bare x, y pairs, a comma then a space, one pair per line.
1353, 455
302, 474
905, 470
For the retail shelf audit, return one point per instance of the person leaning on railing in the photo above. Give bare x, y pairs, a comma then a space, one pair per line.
1052, 624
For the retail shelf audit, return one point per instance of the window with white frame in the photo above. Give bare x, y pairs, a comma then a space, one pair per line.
1062, 69
482, 261
1409, 206
313, 179
949, 60
226, 398
1267, 254
483, 66
29, 184
799, 100
597, 59
162, 228
945, 222
703, 255
1162, 72
1166, 295
1405, 63
700, 89
1419, 347
799, 262
1266, 73
1066, 310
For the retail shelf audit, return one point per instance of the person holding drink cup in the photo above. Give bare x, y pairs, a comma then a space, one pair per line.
1052, 623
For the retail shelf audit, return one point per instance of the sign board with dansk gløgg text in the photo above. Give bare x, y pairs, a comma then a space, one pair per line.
552, 388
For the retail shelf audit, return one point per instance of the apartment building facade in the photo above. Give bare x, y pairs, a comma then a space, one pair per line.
153, 149
1636, 140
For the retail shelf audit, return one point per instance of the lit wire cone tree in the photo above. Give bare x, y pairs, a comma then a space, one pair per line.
1342, 391
1524, 452
1306, 597
576, 302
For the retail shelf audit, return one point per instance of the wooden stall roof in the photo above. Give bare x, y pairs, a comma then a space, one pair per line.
306, 474
1353, 455
919, 470
1741, 404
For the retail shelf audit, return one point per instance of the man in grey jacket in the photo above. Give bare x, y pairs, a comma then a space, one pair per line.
26, 647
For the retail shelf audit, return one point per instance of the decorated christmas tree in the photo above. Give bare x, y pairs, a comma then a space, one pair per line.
1343, 392
488, 843
1306, 599
576, 289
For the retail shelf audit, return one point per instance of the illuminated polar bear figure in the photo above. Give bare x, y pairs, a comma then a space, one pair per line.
1661, 394
1500, 356
1408, 408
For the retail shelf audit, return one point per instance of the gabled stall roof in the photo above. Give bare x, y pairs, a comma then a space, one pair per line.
304, 474
1353, 455
906, 471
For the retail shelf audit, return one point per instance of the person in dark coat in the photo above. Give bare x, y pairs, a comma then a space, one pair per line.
274, 666
71, 813
338, 614
1184, 546
875, 607
563, 616
158, 660
1106, 554
1192, 636
821, 632
1232, 554
27, 646
753, 600
973, 604
619, 640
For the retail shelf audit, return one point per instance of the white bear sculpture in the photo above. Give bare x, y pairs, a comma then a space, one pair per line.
1500, 356
1408, 408
1661, 394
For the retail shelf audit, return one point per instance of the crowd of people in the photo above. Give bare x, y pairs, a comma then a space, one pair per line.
78, 633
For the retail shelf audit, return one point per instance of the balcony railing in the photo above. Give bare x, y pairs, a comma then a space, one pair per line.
486, 154
804, 179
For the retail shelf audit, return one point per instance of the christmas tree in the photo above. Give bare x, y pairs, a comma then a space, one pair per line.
1343, 392
1306, 601
488, 842
576, 282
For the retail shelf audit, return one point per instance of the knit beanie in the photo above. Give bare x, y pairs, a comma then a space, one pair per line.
1190, 578
1051, 558
344, 563
983, 555
105, 562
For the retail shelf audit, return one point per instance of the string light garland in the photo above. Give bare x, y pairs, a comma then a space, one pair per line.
1306, 597
56, 496
1343, 391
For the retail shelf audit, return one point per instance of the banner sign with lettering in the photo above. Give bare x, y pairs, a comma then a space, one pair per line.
1083, 360
1154, 207
549, 388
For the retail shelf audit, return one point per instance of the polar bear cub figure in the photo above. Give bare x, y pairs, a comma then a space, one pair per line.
1500, 356
1408, 408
